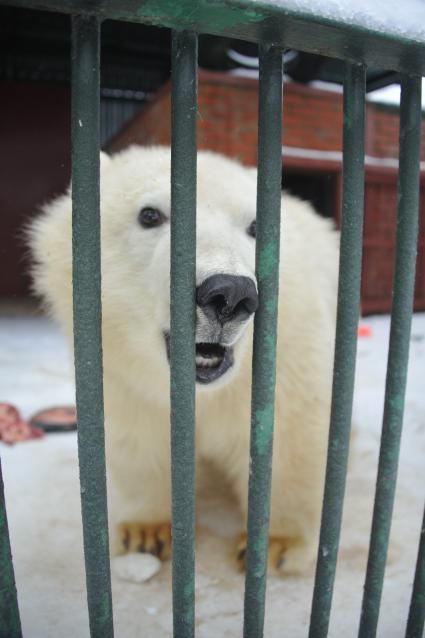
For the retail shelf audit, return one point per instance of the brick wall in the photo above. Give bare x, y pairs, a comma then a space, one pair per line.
227, 120
383, 131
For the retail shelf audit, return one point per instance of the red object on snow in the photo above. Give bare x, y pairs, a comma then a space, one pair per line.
56, 419
364, 331
13, 428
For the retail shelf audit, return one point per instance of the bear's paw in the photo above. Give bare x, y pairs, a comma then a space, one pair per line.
147, 538
286, 556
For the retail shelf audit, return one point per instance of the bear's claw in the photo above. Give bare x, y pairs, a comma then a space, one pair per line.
149, 538
280, 549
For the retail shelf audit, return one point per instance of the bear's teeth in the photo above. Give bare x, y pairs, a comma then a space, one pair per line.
211, 362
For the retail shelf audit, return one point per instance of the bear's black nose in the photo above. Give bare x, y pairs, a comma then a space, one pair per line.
227, 298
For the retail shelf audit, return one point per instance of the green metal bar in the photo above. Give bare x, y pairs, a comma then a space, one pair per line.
416, 620
10, 623
87, 319
345, 346
182, 329
266, 20
398, 356
269, 193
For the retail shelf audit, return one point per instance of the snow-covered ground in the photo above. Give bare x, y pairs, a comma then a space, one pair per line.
41, 480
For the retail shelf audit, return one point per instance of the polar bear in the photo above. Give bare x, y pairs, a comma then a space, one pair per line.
135, 229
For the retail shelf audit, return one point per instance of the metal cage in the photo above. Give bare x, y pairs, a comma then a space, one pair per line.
274, 27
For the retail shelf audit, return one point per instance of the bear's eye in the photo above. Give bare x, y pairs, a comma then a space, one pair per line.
252, 229
151, 217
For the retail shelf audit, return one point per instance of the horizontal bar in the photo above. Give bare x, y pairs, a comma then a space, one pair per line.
269, 194
182, 330
266, 20
10, 622
416, 620
88, 319
345, 346
398, 355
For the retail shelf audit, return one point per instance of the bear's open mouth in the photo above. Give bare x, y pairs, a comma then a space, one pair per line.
212, 360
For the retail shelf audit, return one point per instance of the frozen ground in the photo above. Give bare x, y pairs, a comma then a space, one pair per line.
41, 479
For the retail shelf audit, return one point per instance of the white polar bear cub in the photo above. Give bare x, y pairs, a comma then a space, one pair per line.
135, 213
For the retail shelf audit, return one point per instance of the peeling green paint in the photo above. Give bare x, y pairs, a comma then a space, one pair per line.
265, 330
416, 620
188, 593
268, 260
189, 588
270, 348
271, 305
261, 543
182, 329
105, 609
263, 426
397, 402
187, 14
345, 346
398, 353
10, 624
260, 547
88, 320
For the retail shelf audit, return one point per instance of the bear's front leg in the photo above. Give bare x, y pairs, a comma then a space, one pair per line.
139, 498
140, 517
297, 478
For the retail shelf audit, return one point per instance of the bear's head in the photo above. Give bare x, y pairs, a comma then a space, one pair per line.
135, 222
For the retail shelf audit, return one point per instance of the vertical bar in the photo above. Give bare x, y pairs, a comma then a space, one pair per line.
10, 623
416, 620
269, 194
398, 355
87, 319
182, 329
345, 346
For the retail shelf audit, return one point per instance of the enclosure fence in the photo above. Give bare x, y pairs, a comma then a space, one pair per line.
274, 28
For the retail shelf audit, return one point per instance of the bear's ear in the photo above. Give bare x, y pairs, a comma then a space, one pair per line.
104, 159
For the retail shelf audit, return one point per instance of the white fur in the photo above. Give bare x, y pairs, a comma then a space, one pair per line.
135, 280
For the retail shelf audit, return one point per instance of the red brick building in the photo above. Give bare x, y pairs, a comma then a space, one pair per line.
312, 160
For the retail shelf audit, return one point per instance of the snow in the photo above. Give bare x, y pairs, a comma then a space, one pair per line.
42, 492
386, 95
336, 156
406, 19
391, 94
135, 568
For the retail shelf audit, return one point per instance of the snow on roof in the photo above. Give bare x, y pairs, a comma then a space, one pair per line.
403, 19
391, 94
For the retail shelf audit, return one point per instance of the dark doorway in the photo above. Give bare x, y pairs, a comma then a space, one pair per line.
319, 188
